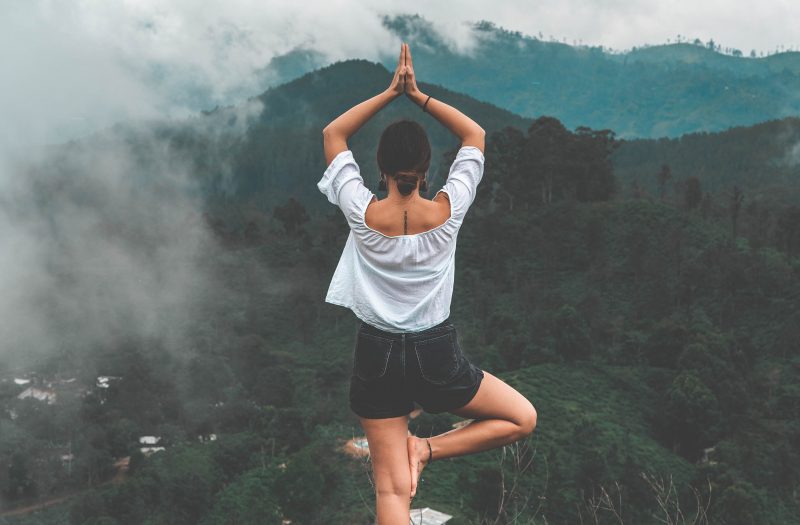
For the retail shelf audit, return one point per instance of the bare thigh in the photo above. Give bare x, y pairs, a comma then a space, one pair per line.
389, 454
496, 399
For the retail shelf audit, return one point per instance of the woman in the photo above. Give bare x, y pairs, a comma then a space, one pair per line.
396, 274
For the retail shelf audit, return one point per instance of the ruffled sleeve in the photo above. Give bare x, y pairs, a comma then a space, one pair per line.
462, 182
343, 185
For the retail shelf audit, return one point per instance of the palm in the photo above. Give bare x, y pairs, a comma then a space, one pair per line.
410, 84
403, 80
397, 86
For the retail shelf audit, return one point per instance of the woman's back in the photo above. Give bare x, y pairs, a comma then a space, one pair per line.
399, 282
416, 215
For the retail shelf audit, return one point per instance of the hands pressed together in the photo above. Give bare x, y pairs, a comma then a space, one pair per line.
336, 133
404, 80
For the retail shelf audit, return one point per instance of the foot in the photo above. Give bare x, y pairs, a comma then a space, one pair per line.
417, 459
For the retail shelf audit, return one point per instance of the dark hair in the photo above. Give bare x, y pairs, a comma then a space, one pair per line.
404, 147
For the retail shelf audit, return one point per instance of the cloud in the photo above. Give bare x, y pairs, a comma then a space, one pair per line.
80, 66
105, 241
95, 256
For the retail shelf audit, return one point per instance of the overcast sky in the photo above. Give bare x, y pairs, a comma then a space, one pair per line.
75, 66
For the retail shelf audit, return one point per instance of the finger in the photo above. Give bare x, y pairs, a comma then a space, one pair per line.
402, 59
408, 57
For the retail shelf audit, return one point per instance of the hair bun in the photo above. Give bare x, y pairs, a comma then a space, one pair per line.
406, 183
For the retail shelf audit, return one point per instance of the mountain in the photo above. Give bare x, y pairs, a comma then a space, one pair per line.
269, 147
291, 65
648, 92
279, 151
763, 159
658, 344
703, 55
636, 94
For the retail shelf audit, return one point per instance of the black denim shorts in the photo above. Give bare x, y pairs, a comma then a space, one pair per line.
392, 371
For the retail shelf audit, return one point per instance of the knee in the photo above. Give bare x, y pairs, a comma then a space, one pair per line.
527, 422
394, 484
394, 492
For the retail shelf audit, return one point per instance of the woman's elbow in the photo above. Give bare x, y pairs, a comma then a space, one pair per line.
476, 138
478, 134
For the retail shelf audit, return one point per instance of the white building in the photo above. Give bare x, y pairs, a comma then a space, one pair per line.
428, 516
42, 394
150, 450
104, 381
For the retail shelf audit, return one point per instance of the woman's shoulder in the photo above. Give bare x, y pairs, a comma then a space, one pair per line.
427, 214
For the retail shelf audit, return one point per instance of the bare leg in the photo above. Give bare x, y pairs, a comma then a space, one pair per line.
389, 458
501, 416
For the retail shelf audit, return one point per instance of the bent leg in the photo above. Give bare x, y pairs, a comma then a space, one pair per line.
501, 415
389, 456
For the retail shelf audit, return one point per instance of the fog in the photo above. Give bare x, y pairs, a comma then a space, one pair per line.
98, 245
104, 242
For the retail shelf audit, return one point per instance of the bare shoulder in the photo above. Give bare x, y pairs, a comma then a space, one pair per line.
372, 207
441, 204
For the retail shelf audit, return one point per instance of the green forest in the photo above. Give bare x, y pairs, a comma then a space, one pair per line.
646, 301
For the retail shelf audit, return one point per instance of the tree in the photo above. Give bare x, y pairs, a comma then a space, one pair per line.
571, 334
292, 214
705, 205
591, 151
739, 504
545, 145
787, 232
662, 177
693, 193
736, 205
691, 414
251, 498
666, 341
189, 480
86, 506
302, 482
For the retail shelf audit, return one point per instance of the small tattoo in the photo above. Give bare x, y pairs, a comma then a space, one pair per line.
405, 222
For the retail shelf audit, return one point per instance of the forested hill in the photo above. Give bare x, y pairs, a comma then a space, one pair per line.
763, 160
637, 94
279, 150
703, 55
657, 341
653, 91
269, 148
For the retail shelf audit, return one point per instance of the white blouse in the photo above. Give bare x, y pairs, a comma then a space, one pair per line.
398, 283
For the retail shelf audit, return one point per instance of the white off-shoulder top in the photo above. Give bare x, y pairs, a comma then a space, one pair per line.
398, 283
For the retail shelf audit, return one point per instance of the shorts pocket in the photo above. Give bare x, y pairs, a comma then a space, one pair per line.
371, 356
438, 358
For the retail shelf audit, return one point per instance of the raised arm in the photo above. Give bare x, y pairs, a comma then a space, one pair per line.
470, 133
336, 133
